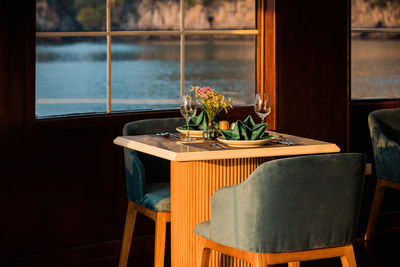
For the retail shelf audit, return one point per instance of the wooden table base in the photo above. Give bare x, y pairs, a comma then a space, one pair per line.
192, 185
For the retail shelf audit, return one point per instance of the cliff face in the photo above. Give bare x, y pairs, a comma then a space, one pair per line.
372, 13
55, 15
164, 15
148, 15
51, 16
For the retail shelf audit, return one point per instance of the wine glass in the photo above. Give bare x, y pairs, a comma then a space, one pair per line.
188, 110
262, 106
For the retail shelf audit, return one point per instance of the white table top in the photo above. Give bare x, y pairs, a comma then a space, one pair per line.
172, 148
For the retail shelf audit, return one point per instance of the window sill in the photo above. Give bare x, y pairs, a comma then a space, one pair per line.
80, 121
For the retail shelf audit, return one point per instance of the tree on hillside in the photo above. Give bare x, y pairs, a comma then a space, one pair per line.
381, 3
91, 14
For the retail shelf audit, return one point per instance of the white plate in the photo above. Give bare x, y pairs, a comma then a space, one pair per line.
191, 132
245, 143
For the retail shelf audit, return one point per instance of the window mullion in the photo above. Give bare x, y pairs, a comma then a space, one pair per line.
182, 56
108, 28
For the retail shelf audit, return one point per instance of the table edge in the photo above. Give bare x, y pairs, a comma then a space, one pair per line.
233, 153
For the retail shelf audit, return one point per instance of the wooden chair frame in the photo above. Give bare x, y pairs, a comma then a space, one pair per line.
381, 185
160, 219
346, 254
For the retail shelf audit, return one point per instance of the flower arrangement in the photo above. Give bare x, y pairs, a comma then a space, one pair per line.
211, 101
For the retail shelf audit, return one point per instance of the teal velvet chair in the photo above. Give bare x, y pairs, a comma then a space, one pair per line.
287, 211
384, 127
146, 194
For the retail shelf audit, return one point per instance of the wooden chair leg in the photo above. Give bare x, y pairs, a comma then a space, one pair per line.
204, 257
294, 264
260, 261
374, 213
159, 243
348, 260
128, 231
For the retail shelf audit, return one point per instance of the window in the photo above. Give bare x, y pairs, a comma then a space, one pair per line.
375, 52
103, 56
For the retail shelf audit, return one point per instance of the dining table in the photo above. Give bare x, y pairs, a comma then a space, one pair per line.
199, 168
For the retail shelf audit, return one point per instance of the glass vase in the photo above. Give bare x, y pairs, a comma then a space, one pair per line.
211, 133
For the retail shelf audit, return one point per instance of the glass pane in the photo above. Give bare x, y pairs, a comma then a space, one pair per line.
375, 13
220, 14
70, 15
145, 73
71, 75
145, 15
375, 68
225, 63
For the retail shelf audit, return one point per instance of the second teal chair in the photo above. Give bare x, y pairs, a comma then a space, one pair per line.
287, 211
145, 194
384, 127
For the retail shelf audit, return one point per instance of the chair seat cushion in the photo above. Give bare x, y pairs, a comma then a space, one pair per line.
157, 197
203, 229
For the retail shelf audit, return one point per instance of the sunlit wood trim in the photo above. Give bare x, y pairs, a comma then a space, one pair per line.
261, 47
133, 33
71, 34
270, 79
182, 47
108, 27
375, 30
220, 32
266, 55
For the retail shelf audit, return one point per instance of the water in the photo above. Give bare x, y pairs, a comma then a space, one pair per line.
375, 68
71, 78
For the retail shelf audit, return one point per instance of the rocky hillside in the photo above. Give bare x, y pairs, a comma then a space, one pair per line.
375, 13
52, 16
73, 15
77, 15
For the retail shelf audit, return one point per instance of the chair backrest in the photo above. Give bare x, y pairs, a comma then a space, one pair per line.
292, 204
384, 126
139, 167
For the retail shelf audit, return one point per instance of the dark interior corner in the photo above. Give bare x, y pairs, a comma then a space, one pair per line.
62, 185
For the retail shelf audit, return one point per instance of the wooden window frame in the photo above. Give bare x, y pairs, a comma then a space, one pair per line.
265, 69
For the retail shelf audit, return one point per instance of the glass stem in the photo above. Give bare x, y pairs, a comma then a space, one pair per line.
187, 125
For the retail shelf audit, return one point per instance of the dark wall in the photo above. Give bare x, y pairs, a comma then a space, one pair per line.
312, 64
62, 185
62, 193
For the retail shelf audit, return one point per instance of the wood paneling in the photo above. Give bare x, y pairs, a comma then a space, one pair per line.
192, 185
12, 70
313, 97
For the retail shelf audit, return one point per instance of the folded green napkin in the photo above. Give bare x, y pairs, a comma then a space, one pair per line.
198, 123
246, 130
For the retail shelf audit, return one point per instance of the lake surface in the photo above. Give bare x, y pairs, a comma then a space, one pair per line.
375, 68
71, 77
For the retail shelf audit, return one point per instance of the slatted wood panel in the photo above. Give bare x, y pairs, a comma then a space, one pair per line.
192, 185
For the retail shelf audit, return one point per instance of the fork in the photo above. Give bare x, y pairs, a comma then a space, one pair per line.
218, 146
285, 141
